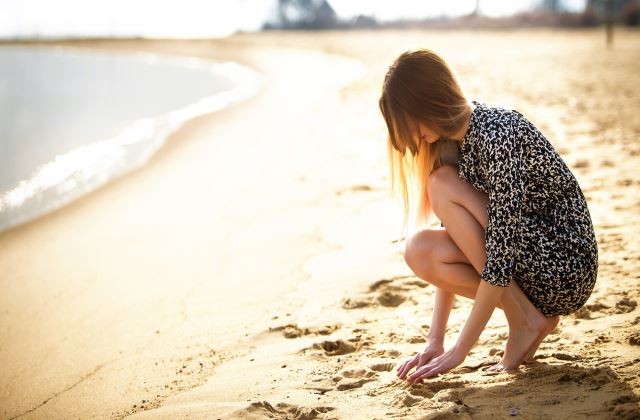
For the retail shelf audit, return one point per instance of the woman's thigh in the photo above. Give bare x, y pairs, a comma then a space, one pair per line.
446, 185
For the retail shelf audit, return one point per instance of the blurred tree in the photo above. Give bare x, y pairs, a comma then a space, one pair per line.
619, 9
552, 5
364, 21
611, 11
304, 14
631, 13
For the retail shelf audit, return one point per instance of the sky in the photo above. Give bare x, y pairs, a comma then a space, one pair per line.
207, 18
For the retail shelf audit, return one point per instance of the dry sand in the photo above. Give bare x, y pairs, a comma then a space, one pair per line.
250, 270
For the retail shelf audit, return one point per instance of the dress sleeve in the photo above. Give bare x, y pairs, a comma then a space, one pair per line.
505, 178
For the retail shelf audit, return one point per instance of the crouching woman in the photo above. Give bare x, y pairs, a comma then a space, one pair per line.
515, 229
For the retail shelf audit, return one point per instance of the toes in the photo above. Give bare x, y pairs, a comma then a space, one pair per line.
503, 367
496, 368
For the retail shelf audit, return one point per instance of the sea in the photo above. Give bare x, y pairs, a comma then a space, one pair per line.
72, 119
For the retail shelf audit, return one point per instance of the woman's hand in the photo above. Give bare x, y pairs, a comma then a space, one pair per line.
485, 302
432, 350
443, 363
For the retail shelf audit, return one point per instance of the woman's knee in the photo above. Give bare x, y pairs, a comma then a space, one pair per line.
420, 252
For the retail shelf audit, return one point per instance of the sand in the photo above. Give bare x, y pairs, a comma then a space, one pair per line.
252, 269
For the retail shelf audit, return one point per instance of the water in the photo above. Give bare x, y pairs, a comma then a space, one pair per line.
72, 120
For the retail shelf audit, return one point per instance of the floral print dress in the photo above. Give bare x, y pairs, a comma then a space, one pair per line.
540, 233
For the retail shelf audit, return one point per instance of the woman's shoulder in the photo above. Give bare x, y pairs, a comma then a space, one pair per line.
496, 121
499, 122
497, 113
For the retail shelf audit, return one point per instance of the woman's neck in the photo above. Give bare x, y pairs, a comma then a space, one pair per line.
459, 136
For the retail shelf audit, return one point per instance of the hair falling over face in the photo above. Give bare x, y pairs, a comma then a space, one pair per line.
419, 87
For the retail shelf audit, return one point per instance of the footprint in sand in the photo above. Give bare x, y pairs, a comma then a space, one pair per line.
338, 347
353, 378
264, 409
386, 292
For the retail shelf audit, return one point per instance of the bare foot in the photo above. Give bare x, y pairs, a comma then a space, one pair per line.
553, 322
523, 342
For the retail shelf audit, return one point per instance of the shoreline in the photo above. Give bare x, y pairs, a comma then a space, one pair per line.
281, 292
149, 133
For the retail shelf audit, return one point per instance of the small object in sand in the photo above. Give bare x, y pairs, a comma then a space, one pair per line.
514, 411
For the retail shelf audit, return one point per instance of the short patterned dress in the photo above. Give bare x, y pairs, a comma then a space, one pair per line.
540, 232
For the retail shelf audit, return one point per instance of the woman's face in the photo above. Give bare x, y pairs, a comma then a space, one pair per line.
424, 133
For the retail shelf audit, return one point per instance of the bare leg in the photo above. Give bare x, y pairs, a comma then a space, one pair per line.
452, 259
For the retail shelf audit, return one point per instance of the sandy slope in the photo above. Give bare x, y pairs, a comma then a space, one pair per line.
281, 292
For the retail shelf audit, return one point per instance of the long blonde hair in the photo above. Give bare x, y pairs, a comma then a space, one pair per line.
419, 87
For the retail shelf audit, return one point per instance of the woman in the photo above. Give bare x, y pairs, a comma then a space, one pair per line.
515, 231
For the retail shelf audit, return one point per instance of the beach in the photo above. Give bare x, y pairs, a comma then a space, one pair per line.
253, 268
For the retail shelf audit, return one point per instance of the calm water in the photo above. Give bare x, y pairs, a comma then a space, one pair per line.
71, 121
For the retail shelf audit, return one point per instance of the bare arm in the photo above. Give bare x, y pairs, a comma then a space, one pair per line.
441, 311
487, 298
